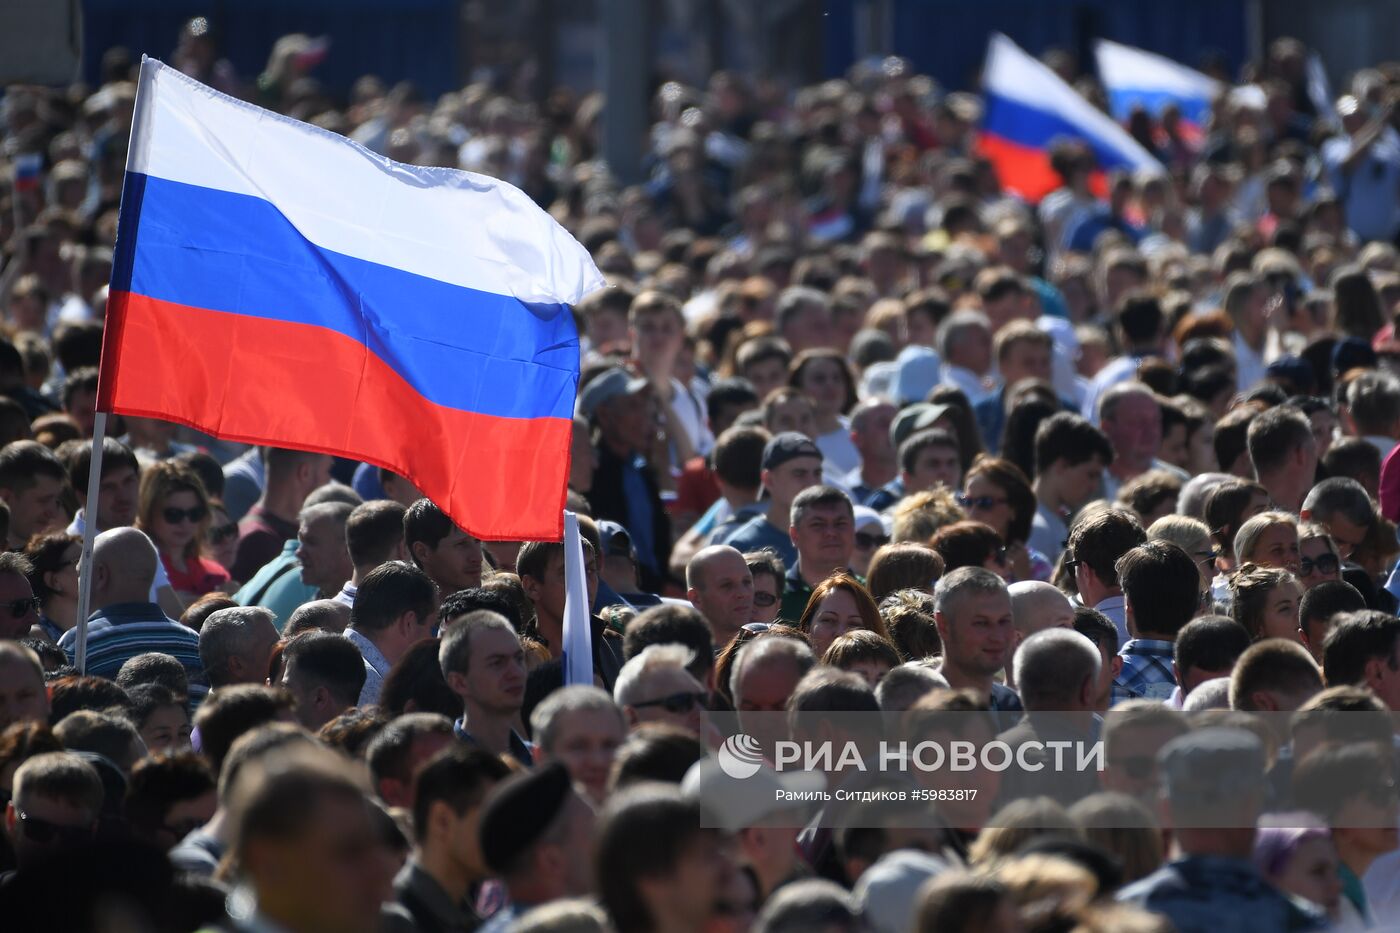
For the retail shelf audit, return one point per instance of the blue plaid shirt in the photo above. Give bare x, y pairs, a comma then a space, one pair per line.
1147, 671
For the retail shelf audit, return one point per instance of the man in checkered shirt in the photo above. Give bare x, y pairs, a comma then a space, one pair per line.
1161, 589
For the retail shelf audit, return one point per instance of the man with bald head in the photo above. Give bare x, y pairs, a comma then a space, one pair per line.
720, 585
1035, 607
126, 623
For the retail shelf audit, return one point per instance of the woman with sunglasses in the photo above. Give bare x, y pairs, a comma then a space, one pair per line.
54, 559
1194, 538
1318, 558
839, 604
997, 494
221, 540
972, 544
174, 510
1265, 601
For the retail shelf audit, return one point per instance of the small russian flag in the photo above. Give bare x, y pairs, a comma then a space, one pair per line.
1132, 77
29, 166
1027, 108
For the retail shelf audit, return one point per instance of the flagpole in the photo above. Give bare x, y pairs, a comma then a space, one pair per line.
578, 616
99, 435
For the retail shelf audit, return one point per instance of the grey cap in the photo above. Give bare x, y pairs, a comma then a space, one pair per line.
786, 446
606, 387
1210, 765
916, 417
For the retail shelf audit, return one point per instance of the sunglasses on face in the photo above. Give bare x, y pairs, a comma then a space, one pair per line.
42, 832
763, 600
1323, 563
866, 541
174, 516
21, 607
223, 533
1072, 564
980, 502
678, 703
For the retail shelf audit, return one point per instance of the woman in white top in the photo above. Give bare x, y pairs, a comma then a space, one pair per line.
825, 378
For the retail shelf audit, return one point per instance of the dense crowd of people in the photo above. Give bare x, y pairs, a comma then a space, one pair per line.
858, 431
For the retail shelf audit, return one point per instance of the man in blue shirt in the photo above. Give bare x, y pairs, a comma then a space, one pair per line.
1161, 587
126, 622
1363, 167
791, 463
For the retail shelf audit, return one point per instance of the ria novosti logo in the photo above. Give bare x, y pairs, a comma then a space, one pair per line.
740, 756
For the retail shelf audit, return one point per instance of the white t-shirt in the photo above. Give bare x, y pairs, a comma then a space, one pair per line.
838, 450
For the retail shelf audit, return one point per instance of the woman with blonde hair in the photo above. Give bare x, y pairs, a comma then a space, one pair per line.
1269, 539
173, 509
1265, 601
1319, 560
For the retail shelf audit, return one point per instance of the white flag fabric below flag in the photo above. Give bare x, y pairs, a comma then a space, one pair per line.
578, 628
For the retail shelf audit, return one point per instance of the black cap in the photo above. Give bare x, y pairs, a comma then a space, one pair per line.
788, 446
519, 812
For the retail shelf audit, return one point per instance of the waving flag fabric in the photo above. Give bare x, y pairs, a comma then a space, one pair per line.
1132, 77
1027, 107
278, 284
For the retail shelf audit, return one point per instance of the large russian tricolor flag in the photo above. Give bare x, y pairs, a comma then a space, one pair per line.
278, 284
1027, 107
1132, 77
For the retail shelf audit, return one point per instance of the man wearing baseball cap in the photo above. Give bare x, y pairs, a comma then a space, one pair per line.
791, 463
622, 411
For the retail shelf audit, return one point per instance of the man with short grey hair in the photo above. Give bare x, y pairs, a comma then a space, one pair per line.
581, 727
235, 645
655, 686
321, 549
762, 679
972, 610
1057, 671
1035, 607
126, 623
1213, 787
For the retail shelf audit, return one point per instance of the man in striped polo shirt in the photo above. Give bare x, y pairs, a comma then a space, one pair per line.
126, 623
